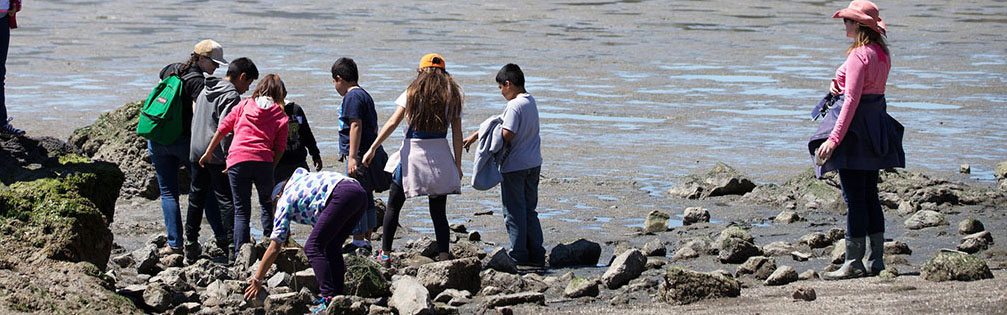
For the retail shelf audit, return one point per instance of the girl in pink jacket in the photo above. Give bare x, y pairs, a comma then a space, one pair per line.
260, 136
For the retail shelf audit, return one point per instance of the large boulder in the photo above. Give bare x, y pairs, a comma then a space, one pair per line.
580, 286
626, 267
581, 252
924, 219
656, 221
499, 260
693, 215
410, 297
685, 286
460, 274
112, 138
288, 303
970, 226
736, 251
720, 181
958, 266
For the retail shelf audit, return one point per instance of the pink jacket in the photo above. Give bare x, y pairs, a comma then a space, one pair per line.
260, 129
864, 72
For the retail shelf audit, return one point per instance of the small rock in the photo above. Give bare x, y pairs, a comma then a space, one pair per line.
685, 286
515, 299
453, 297
466, 249
474, 236
958, 266
655, 248
970, 226
158, 240
157, 296
835, 234
695, 215
306, 279
965, 169
805, 294
736, 250
656, 262
778, 249
499, 260
657, 221
808, 275
288, 303
924, 219
246, 256
800, 256
787, 217
173, 260
897, 248
504, 310
461, 274
146, 259
782, 275
758, 266
580, 286
581, 252
458, 228
1001, 170
685, 253
889, 273
907, 207
124, 260
815, 240
280, 279
479, 213
410, 297
490, 290
975, 243
627, 266
365, 277
839, 252
734, 232
186, 308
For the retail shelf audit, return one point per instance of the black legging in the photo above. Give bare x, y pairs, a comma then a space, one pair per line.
438, 214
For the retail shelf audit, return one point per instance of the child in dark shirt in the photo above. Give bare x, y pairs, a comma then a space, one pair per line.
300, 142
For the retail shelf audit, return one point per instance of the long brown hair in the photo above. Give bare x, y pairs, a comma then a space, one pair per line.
433, 100
271, 86
866, 36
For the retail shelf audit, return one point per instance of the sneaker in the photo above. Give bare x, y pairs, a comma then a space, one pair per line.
168, 250
9, 130
322, 304
383, 258
350, 248
192, 251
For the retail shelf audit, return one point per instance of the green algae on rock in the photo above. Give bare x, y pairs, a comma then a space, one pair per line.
958, 266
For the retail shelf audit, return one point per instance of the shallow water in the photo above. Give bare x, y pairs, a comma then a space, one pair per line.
655, 89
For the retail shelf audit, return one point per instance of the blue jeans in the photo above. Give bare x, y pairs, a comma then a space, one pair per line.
370, 218
242, 176
167, 160
4, 46
860, 191
519, 192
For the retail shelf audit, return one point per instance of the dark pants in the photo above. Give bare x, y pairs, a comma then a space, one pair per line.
438, 214
202, 199
167, 160
222, 190
860, 191
4, 46
324, 246
284, 171
519, 192
242, 176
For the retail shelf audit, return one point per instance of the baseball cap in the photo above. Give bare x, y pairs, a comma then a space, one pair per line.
210, 49
428, 61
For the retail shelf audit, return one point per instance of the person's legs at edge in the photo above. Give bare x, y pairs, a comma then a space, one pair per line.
396, 198
202, 200
222, 190
241, 193
323, 246
166, 168
875, 223
512, 194
438, 214
4, 47
536, 253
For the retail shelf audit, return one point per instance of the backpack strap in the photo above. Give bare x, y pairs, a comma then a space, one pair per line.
191, 75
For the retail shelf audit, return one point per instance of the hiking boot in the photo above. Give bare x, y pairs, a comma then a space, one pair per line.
875, 260
168, 251
8, 130
854, 265
192, 251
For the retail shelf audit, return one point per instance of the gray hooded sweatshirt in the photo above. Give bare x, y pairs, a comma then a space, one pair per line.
213, 104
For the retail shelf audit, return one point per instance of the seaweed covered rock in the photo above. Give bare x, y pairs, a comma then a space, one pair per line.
364, 278
55, 208
685, 286
112, 138
802, 190
958, 266
722, 180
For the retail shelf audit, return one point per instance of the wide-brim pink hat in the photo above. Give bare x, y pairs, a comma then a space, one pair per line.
864, 12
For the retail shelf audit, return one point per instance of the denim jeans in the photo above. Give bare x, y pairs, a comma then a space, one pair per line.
242, 176
4, 46
860, 191
370, 218
519, 192
202, 199
324, 245
167, 160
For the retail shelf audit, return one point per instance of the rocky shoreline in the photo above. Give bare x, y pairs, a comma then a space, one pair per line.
60, 199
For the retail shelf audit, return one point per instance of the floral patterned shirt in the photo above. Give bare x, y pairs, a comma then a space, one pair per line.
303, 199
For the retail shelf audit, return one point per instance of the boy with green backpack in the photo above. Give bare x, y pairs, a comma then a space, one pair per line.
165, 120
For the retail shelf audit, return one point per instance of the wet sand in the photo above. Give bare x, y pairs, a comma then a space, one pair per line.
633, 95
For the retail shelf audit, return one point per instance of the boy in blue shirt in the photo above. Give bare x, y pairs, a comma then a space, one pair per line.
358, 128
521, 168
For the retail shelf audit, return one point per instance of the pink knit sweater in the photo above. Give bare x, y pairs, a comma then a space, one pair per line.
864, 72
258, 132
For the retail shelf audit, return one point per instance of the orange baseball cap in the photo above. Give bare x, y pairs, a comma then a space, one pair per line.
428, 61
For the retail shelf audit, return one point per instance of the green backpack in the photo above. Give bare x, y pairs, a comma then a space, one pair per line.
161, 115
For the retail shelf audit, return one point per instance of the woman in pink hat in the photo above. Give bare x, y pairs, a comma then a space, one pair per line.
859, 138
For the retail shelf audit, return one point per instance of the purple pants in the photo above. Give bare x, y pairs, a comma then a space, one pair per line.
324, 246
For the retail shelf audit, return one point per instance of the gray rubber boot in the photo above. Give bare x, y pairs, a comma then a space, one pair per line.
854, 265
876, 259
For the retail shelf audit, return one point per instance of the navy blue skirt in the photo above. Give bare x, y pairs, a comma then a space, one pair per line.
872, 142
